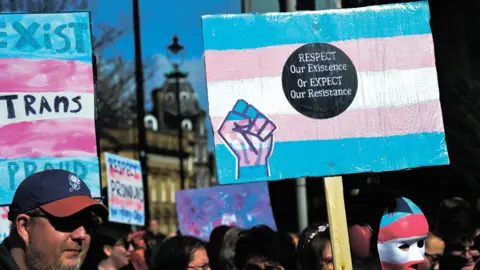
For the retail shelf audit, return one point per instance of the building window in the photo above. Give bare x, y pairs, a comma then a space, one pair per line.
201, 126
172, 192
153, 192
163, 192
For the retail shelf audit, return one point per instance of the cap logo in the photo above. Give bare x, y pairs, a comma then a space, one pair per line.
74, 183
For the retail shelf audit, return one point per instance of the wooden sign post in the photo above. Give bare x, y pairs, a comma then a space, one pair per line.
338, 222
323, 93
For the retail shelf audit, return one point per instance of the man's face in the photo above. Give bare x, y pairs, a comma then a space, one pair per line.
462, 255
59, 243
153, 226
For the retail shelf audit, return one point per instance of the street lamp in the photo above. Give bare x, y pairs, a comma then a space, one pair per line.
175, 50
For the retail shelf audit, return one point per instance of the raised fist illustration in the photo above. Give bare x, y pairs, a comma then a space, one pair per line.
249, 135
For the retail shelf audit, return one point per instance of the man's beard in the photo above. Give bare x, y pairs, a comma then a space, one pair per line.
35, 256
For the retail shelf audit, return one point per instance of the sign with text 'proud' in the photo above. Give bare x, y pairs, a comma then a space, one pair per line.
46, 99
323, 93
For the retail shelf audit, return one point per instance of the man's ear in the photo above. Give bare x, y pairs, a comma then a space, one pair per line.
107, 249
22, 224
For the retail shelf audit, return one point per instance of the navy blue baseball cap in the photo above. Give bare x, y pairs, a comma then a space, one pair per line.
57, 192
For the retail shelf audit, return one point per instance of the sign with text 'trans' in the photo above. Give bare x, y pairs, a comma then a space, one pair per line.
125, 190
46, 99
244, 206
323, 93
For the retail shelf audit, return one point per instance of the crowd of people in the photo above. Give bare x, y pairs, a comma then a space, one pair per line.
57, 225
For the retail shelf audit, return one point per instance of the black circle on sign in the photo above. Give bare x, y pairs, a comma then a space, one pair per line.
319, 80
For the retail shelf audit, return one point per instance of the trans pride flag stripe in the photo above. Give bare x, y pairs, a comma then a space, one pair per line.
47, 112
395, 121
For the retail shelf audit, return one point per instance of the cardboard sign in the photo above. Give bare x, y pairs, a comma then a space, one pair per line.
323, 93
125, 190
46, 99
202, 210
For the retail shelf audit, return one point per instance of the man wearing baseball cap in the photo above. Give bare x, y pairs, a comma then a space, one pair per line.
52, 215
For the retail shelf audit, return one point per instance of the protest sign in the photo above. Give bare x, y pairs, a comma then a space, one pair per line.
201, 210
125, 190
4, 223
47, 98
323, 93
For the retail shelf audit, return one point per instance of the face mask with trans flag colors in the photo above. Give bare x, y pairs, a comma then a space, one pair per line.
401, 238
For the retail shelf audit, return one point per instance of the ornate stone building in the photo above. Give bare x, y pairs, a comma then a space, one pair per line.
163, 149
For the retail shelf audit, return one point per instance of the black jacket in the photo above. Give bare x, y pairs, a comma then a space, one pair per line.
6, 260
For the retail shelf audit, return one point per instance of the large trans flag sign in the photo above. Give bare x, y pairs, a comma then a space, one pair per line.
46, 99
323, 93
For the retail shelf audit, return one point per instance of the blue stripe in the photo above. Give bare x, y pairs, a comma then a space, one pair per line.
248, 31
405, 207
345, 156
62, 36
13, 171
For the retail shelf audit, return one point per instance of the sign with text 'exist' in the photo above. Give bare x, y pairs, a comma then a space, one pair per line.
46, 99
125, 190
323, 93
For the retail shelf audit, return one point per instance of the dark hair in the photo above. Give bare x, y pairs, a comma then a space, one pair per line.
176, 252
215, 245
311, 244
227, 253
455, 221
106, 234
262, 241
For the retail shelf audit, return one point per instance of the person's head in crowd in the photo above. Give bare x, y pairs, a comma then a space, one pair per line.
153, 226
456, 227
215, 245
314, 249
386, 231
110, 248
295, 238
53, 215
181, 253
262, 248
226, 259
434, 248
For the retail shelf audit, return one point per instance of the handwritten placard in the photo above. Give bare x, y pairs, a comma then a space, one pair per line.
4, 223
323, 93
46, 99
125, 190
201, 210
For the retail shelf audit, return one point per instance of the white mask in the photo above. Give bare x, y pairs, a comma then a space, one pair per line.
402, 234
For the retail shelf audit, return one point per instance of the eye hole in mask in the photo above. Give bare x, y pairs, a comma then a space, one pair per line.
404, 247
421, 244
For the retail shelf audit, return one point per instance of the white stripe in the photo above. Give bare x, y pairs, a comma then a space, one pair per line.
86, 100
376, 89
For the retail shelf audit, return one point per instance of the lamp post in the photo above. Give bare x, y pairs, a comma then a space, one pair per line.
177, 50
142, 140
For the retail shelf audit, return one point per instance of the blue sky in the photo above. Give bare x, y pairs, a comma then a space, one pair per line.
160, 20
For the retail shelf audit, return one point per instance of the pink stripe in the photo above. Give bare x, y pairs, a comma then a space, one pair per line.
49, 138
405, 227
403, 52
373, 122
28, 75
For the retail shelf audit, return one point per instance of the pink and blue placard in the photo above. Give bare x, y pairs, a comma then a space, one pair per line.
126, 202
244, 206
323, 93
47, 114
